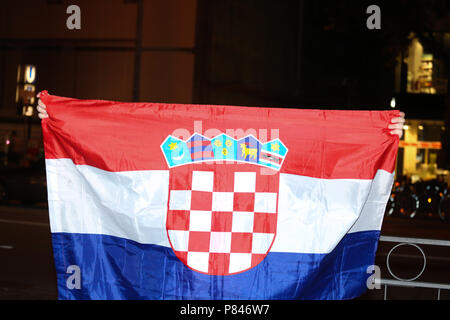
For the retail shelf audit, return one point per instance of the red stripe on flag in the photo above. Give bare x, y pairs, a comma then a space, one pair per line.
118, 136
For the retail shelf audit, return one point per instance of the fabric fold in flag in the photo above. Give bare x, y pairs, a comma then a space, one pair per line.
266, 203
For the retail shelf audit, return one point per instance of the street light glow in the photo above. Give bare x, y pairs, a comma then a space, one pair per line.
393, 103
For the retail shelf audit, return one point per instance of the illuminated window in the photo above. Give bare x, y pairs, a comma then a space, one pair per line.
424, 74
433, 156
420, 158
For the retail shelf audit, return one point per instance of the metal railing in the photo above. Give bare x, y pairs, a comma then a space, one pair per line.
399, 282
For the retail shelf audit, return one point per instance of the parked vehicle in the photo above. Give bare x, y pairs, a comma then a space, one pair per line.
423, 199
403, 200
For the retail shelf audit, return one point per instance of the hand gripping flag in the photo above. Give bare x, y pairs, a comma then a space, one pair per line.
167, 201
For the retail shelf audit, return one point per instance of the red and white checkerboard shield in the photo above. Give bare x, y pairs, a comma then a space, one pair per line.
221, 218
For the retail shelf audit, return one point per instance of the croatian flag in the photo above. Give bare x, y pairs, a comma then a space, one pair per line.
171, 201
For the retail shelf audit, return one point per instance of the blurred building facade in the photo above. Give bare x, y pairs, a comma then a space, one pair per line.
293, 53
422, 85
97, 61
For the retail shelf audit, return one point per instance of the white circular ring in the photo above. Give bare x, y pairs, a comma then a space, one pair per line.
424, 262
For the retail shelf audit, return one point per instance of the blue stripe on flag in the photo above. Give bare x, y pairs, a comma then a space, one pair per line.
117, 268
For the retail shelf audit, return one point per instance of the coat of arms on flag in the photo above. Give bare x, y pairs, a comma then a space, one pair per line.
222, 211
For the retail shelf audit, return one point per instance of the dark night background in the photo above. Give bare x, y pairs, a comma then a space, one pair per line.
297, 54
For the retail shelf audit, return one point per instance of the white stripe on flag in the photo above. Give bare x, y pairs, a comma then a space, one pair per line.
313, 214
84, 199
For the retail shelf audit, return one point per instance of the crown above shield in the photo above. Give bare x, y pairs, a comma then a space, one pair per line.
199, 148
